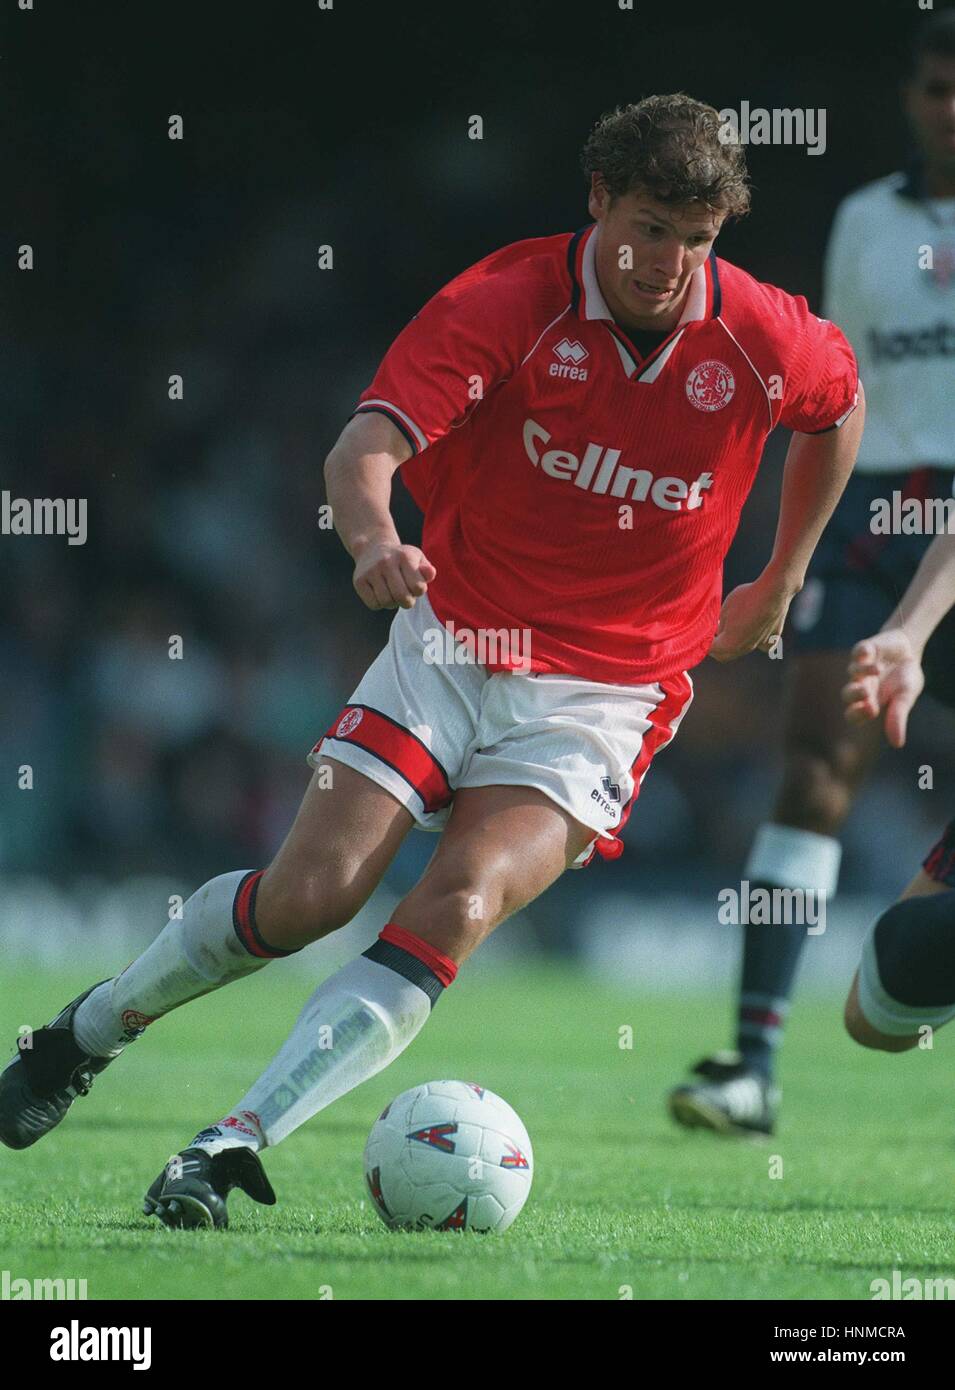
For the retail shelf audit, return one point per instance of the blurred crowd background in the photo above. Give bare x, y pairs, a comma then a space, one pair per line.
346, 127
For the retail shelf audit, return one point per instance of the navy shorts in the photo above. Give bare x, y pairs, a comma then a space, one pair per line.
939, 863
855, 578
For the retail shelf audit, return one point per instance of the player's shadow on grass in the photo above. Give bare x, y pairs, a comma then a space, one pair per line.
239, 1230
798, 1205
118, 1123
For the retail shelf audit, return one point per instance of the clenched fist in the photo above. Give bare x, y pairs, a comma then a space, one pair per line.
391, 575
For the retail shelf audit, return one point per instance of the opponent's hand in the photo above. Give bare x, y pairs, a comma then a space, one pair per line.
751, 619
885, 676
391, 575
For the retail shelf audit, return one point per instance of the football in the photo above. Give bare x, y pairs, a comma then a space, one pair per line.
448, 1156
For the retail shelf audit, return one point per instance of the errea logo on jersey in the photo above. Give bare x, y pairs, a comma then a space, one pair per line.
599, 470
571, 354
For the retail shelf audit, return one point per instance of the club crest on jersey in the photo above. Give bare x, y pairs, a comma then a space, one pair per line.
570, 355
711, 385
349, 722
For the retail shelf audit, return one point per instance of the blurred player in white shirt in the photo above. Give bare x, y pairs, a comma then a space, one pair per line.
905, 985
896, 304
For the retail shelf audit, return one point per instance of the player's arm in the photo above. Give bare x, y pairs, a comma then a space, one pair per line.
358, 476
885, 672
816, 472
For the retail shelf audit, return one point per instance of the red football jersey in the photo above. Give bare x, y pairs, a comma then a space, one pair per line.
577, 490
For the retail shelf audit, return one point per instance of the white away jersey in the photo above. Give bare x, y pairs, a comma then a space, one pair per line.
899, 318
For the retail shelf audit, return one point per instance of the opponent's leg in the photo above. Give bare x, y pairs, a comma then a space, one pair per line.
906, 980
826, 761
344, 836
502, 847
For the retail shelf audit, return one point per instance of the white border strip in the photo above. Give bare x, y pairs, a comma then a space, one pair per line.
754, 371
371, 405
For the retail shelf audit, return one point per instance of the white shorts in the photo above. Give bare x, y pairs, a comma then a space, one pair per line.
422, 728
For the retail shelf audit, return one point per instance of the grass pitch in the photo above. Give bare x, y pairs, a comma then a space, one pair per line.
622, 1200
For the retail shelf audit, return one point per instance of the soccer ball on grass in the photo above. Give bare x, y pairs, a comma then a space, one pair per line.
448, 1155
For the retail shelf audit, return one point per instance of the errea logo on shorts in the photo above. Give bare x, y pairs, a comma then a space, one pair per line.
599, 470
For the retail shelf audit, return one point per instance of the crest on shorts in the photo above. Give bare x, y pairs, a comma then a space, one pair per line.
711, 385
349, 722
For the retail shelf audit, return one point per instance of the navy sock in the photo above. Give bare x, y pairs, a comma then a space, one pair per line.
771, 954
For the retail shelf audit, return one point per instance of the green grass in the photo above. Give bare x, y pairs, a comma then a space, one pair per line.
620, 1198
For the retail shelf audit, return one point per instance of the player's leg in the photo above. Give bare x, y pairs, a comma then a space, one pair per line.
906, 979
502, 847
545, 768
825, 762
343, 838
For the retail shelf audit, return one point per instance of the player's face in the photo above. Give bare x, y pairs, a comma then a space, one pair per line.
930, 103
666, 244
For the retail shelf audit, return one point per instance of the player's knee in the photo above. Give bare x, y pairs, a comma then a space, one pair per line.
861, 1031
292, 911
471, 898
816, 793
855, 1023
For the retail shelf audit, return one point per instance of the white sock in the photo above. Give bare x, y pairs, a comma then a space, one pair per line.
790, 858
354, 1024
192, 955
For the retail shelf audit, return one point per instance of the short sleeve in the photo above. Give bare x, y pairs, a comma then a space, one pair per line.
822, 380
465, 341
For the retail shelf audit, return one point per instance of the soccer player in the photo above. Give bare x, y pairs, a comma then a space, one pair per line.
580, 417
898, 311
905, 983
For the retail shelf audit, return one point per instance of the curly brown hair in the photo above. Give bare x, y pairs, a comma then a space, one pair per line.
671, 146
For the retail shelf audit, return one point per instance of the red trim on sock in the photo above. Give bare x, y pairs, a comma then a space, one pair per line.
766, 1018
242, 918
441, 965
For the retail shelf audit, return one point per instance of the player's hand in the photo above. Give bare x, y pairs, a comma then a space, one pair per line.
885, 676
752, 619
391, 575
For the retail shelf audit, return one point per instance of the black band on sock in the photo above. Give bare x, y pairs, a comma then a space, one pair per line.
914, 944
410, 967
243, 919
